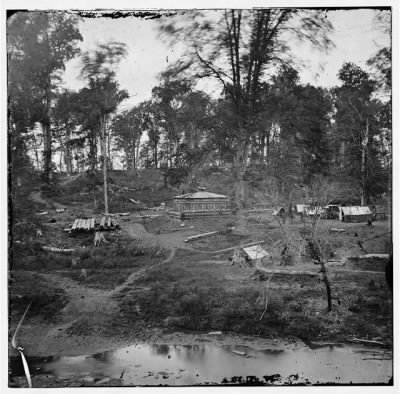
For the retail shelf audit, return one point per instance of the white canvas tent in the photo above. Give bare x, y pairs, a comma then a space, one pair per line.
354, 214
301, 208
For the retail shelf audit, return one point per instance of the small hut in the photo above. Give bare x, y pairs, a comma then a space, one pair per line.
256, 253
354, 214
201, 204
249, 256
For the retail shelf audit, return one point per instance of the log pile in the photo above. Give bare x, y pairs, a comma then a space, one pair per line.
89, 225
108, 223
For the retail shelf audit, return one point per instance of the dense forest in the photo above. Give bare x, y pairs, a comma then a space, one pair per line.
263, 122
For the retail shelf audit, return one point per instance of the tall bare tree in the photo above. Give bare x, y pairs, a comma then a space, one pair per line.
98, 68
237, 48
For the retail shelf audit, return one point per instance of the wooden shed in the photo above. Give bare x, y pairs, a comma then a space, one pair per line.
354, 214
201, 204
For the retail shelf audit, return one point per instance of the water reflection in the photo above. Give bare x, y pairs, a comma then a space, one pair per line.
197, 364
104, 356
161, 350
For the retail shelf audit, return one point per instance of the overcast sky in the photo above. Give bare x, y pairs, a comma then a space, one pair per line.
355, 36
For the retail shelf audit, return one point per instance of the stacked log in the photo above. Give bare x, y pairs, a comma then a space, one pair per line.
89, 225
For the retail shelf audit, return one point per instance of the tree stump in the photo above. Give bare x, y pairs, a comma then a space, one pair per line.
99, 238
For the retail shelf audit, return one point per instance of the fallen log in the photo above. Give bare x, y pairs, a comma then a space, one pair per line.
239, 353
57, 250
194, 237
335, 271
147, 216
234, 247
337, 230
336, 263
263, 271
369, 256
375, 256
42, 213
133, 201
120, 214
180, 229
366, 341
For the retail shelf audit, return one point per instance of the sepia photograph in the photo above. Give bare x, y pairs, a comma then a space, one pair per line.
199, 197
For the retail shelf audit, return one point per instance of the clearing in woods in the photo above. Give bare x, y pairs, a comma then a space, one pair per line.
176, 285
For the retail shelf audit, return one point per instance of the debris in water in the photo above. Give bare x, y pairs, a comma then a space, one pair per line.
236, 379
272, 378
239, 353
103, 381
215, 333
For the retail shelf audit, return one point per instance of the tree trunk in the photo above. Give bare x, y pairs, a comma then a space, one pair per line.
67, 154
262, 146
134, 155
327, 284
155, 155
128, 159
320, 257
108, 137
104, 152
93, 151
342, 153
239, 169
47, 132
61, 160
67, 159
364, 145
36, 149
46, 149
169, 153
137, 151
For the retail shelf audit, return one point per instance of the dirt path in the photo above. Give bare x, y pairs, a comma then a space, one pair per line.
86, 304
136, 275
83, 301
